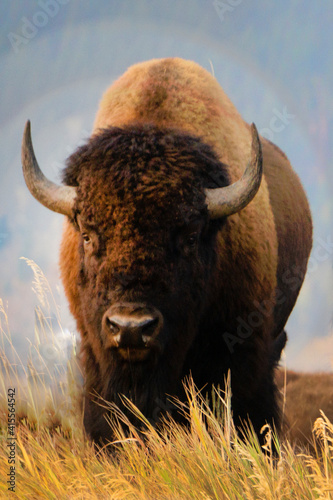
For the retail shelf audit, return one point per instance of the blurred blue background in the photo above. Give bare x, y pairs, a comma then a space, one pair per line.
274, 59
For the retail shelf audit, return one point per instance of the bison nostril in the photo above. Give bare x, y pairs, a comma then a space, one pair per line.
113, 327
149, 328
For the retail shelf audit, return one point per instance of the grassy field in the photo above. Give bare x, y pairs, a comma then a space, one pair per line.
53, 459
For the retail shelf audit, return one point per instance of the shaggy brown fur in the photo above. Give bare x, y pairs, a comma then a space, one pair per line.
305, 394
165, 131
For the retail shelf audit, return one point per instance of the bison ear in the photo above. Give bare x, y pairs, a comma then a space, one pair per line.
57, 198
225, 201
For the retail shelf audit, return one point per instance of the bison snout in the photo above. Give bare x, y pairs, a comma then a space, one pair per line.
132, 329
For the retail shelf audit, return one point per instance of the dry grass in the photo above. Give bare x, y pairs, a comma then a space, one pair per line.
206, 460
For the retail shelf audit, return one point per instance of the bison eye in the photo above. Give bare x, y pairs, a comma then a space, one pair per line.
86, 238
192, 240
190, 244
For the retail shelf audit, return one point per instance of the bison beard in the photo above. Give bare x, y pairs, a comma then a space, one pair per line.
171, 243
145, 385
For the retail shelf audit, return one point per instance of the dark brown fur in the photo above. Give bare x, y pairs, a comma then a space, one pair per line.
164, 132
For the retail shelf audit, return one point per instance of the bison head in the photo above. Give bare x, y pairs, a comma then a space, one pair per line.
146, 205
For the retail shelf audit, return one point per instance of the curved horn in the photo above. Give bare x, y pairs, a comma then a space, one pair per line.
57, 198
228, 200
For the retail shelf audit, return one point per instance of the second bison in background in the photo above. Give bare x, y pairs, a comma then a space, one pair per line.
304, 395
175, 258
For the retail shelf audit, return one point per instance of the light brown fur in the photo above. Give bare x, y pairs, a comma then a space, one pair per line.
305, 394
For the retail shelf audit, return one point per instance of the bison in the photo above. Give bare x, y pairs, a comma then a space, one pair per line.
305, 394
185, 245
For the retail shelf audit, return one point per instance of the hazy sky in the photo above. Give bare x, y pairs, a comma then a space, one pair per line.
274, 59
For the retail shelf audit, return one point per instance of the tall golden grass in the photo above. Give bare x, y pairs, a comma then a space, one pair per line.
206, 460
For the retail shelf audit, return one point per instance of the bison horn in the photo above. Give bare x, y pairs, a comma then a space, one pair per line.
228, 200
57, 198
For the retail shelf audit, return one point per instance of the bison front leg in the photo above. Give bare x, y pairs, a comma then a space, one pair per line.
263, 408
260, 404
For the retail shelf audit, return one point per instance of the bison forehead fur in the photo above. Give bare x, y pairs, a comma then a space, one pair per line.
165, 273
143, 171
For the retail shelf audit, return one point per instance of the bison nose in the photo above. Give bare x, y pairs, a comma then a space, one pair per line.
131, 333
132, 327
